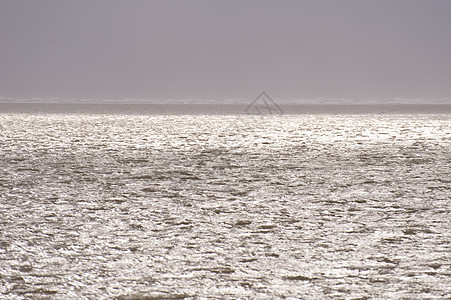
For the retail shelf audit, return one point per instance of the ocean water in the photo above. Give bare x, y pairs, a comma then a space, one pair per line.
225, 206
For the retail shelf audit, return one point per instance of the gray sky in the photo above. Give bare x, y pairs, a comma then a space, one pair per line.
225, 49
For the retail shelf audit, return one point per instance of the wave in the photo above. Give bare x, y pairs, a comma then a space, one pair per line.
291, 101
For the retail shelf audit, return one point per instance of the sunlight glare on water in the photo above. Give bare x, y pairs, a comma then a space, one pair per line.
197, 206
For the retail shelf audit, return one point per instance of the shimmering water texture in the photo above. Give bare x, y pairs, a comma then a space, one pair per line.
225, 206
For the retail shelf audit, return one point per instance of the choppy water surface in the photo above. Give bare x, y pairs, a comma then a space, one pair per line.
194, 206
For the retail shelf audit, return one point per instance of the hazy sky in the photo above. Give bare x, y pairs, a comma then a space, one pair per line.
225, 49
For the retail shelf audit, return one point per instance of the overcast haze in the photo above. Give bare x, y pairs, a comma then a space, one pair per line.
225, 49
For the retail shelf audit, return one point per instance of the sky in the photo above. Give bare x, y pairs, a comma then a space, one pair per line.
174, 49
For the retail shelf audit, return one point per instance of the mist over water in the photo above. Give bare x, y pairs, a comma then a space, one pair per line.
173, 206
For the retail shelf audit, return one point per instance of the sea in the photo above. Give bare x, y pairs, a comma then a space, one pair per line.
135, 202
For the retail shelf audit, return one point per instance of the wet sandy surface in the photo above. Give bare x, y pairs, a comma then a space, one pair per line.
178, 206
